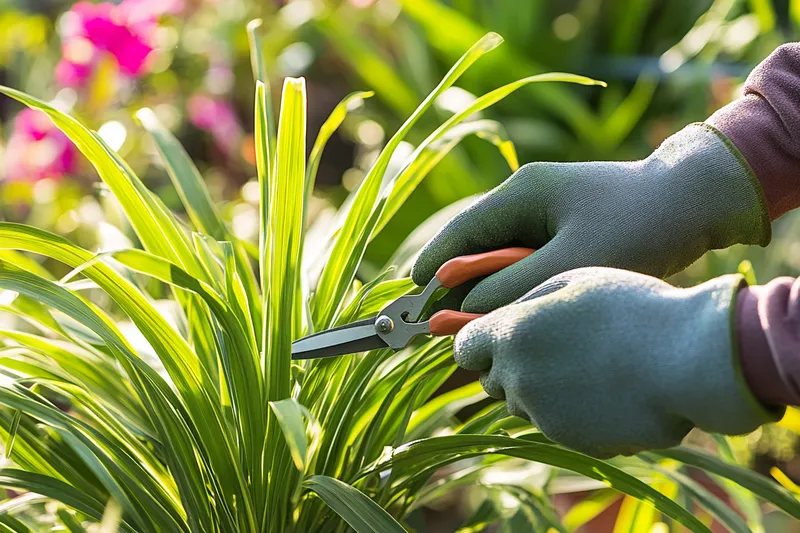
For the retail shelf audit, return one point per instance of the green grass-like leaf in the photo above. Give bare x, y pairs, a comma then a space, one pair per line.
353, 506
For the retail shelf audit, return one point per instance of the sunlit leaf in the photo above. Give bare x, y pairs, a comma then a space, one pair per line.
290, 417
363, 515
348, 248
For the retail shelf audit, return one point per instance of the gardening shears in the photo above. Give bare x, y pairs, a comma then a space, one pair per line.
398, 323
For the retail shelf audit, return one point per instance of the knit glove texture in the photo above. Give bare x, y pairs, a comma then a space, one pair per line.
610, 362
655, 216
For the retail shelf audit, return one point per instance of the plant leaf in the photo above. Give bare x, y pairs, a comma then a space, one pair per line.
348, 248
57, 490
284, 234
405, 182
290, 417
12, 432
260, 74
327, 129
283, 312
363, 514
756, 483
588, 508
423, 455
727, 516
185, 176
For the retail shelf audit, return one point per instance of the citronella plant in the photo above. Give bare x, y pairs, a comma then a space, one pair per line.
223, 433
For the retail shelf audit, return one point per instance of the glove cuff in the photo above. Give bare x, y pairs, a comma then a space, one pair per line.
763, 234
715, 396
717, 185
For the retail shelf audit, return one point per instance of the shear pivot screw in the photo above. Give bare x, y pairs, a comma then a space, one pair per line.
384, 324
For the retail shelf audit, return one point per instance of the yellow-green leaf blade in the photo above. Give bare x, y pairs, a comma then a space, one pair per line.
290, 417
185, 177
363, 514
283, 237
351, 240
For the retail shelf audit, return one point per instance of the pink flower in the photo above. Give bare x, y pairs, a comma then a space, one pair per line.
216, 116
106, 32
38, 150
124, 31
71, 74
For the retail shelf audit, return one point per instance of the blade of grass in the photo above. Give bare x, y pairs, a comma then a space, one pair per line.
69, 521
12, 433
328, 128
634, 517
284, 233
374, 298
185, 177
57, 490
361, 513
290, 417
259, 64
588, 508
432, 453
432, 414
283, 312
25, 263
726, 516
339, 271
754, 482
407, 179
9, 524
265, 170
745, 500
448, 31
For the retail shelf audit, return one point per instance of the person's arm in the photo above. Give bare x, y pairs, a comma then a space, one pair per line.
609, 361
696, 192
587, 214
768, 328
765, 126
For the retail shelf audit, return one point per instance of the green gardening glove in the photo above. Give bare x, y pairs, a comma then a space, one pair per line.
656, 216
610, 362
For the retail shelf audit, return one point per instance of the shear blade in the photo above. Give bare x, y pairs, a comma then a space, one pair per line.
352, 338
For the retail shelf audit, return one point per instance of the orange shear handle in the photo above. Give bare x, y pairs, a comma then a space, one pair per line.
462, 269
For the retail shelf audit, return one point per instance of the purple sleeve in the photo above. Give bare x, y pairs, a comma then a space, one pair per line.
765, 126
768, 327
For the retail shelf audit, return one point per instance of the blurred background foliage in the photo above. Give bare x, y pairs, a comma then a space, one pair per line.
667, 63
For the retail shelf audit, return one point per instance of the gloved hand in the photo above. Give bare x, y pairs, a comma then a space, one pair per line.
654, 216
610, 362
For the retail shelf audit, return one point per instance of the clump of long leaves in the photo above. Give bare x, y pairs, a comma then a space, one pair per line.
221, 432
